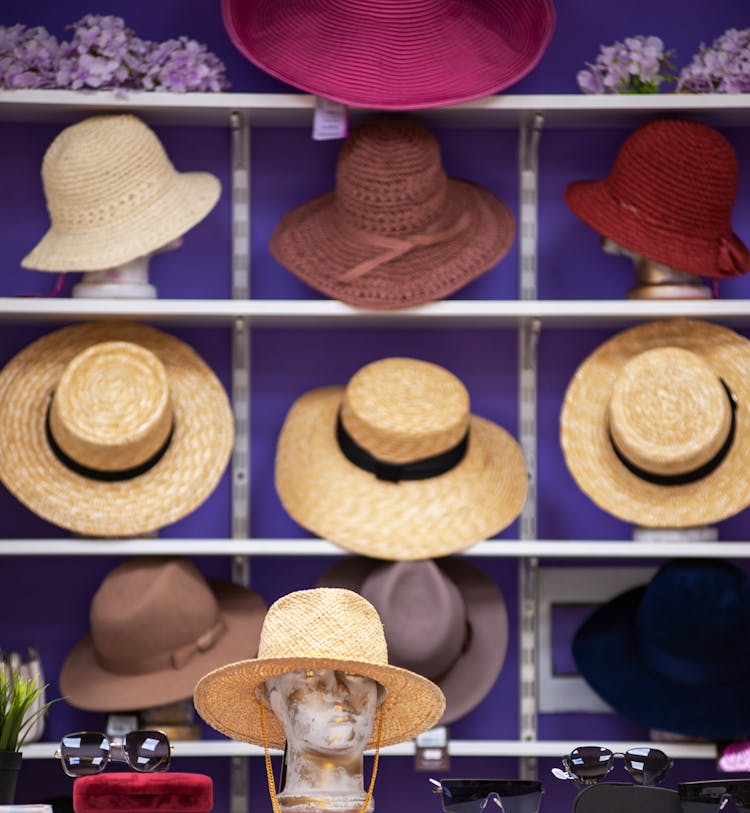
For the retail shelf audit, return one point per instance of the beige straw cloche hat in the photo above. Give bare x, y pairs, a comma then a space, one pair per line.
654, 424
324, 628
112, 428
113, 195
394, 466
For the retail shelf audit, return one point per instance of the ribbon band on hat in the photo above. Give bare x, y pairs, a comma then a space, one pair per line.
691, 671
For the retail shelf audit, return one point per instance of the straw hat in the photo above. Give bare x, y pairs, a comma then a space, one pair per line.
325, 628
367, 53
669, 197
444, 619
396, 231
113, 195
654, 424
112, 429
157, 626
394, 466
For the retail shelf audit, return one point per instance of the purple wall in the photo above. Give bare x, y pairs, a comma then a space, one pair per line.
45, 603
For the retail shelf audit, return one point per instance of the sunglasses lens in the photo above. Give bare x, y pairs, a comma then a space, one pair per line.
646, 765
490, 796
84, 753
589, 762
147, 751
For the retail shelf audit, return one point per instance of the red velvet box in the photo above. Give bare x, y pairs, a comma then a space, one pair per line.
143, 793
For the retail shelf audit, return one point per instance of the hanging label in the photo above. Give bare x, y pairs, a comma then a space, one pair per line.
330, 120
432, 750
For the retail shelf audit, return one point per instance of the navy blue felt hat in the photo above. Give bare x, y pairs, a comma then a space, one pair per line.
675, 654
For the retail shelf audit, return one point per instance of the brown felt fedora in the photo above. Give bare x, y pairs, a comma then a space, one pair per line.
157, 626
443, 619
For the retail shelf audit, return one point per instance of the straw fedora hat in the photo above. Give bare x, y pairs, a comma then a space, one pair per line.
444, 619
394, 466
398, 56
654, 424
324, 628
396, 231
669, 197
114, 195
112, 428
157, 626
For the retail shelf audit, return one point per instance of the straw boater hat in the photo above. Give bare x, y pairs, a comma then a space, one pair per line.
157, 626
445, 620
669, 197
393, 55
114, 195
654, 424
394, 466
112, 429
325, 628
396, 231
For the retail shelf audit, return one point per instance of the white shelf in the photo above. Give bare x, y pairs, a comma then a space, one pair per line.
496, 548
295, 109
331, 313
456, 748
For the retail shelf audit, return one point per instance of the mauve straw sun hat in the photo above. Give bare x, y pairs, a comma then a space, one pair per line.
669, 197
113, 195
395, 231
396, 55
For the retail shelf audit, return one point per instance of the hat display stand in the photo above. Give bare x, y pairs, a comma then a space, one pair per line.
172, 792
621, 797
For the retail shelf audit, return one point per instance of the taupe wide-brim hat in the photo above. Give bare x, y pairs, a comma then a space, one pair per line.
655, 428
394, 466
157, 626
112, 428
444, 619
324, 628
113, 195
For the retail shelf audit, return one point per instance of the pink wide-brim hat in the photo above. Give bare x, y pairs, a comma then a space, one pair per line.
399, 55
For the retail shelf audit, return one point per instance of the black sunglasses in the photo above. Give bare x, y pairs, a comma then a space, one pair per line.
702, 797
589, 764
474, 795
88, 752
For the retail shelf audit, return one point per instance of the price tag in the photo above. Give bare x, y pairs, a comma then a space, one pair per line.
432, 750
330, 120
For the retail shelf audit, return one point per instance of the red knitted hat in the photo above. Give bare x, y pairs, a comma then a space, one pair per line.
669, 197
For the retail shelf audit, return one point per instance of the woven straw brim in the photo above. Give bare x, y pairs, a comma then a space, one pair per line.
420, 55
226, 698
182, 479
592, 460
185, 203
417, 519
309, 243
684, 251
85, 684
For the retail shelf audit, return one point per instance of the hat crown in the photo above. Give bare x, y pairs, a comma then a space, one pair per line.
111, 408
401, 410
390, 179
147, 608
102, 170
669, 412
423, 615
326, 622
677, 173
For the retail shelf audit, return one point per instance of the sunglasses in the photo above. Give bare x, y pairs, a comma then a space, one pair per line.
589, 764
88, 752
702, 797
474, 795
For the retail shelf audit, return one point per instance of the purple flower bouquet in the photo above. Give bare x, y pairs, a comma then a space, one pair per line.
638, 65
722, 68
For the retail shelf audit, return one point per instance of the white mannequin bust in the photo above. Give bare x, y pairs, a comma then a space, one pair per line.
328, 718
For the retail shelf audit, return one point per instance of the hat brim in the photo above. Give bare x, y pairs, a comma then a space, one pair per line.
592, 460
446, 55
468, 681
178, 483
606, 653
226, 698
185, 203
87, 685
308, 242
595, 205
417, 519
